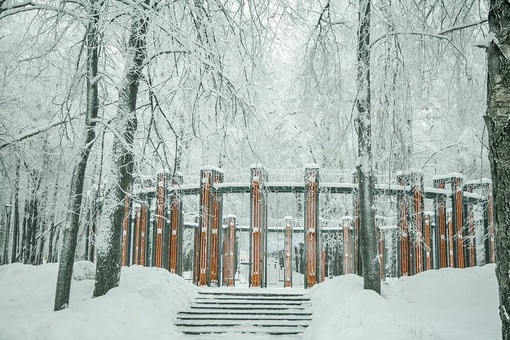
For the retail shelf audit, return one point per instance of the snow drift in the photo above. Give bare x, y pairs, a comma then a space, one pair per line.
438, 304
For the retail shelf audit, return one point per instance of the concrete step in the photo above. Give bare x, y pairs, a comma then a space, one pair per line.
252, 311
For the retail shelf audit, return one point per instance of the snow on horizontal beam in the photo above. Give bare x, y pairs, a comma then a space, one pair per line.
345, 185
472, 195
478, 181
212, 167
231, 184
448, 176
445, 192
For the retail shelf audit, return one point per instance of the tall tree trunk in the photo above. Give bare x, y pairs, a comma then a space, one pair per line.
497, 120
65, 268
108, 259
368, 237
15, 229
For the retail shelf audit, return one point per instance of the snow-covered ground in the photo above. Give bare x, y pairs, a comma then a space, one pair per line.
438, 304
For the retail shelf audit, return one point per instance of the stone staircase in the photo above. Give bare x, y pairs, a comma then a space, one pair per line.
250, 311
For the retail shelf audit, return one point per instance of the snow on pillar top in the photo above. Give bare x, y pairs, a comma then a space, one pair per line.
257, 166
163, 171
213, 168
311, 166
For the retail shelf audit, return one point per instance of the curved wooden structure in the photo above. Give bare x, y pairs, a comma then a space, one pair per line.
153, 227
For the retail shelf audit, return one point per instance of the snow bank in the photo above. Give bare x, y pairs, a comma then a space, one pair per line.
142, 307
437, 304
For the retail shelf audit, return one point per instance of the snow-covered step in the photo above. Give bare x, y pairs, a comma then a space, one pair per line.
251, 330
303, 316
254, 311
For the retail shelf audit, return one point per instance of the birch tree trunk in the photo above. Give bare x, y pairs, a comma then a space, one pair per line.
497, 120
108, 265
65, 268
368, 236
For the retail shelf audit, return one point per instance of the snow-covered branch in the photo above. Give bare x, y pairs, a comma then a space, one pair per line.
7, 8
34, 132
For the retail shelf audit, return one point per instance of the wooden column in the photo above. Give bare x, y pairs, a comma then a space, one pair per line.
418, 242
126, 234
216, 231
162, 182
144, 214
441, 238
196, 253
458, 222
427, 240
404, 242
379, 223
136, 236
451, 236
176, 228
229, 255
210, 219
470, 224
258, 226
288, 253
348, 245
312, 268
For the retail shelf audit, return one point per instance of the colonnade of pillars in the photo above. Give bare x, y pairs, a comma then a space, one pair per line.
153, 225
451, 243
153, 229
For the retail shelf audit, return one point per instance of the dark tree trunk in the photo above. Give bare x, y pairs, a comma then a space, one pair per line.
108, 259
15, 229
497, 120
368, 236
65, 269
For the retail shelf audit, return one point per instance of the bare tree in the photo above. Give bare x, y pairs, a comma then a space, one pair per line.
365, 171
65, 269
108, 257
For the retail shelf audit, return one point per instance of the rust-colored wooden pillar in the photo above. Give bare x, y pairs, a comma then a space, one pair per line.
258, 226
205, 218
403, 213
312, 268
381, 246
417, 218
427, 240
216, 230
144, 214
136, 237
458, 221
196, 252
126, 233
441, 237
162, 182
229, 254
287, 274
470, 224
348, 245
210, 220
451, 235
176, 228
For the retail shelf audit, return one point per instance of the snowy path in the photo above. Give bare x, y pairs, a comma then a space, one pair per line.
254, 313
